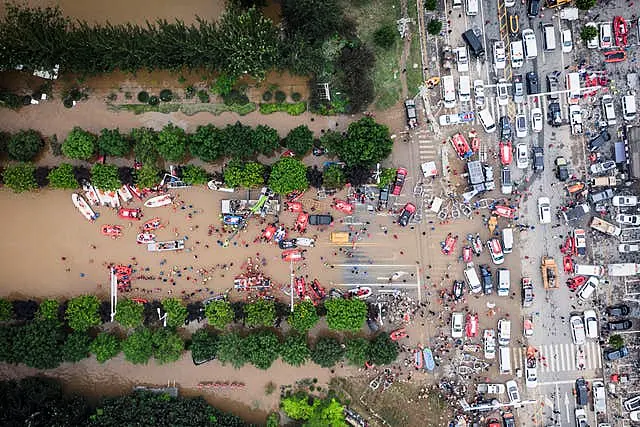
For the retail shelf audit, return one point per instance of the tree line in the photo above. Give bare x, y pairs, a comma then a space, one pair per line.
45, 335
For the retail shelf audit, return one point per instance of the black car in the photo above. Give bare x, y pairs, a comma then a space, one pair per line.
618, 310
533, 86
458, 289
534, 8
582, 394
287, 244
620, 325
538, 159
320, 219
599, 140
611, 354
562, 171
487, 283
505, 128
383, 198
555, 117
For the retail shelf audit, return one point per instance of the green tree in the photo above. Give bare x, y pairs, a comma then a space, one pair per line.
223, 84
25, 145
219, 313
303, 317
231, 349
129, 313
6, 310
387, 176
265, 140
298, 406
260, 313
313, 21
106, 346
365, 144
261, 348
167, 346
145, 145
62, 177
82, 313
299, 140
357, 351
585, 4
105, 177
112, 143
327, 352
246, 43
20, 177
588, 33
79, 144
207, 143
295, 350
431, 5
236, 139
194, 175
76, 347
38, 344
138, 347
8, 334
239, 174
176, 312
148, 176
172, 143
356, 62
385, 36
345, 314
288, 175
333, 177
383, 350
49, 310
434, 27
616, 341
204, 345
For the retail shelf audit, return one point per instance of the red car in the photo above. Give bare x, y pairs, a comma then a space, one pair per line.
401, 174
407, 213
506, 153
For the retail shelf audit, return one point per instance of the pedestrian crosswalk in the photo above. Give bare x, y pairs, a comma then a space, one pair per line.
427, 152
561, 357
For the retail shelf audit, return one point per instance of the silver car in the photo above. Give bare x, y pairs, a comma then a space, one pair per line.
503, 92
521, 126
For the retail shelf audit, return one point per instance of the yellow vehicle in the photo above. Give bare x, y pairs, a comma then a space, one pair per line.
549, 273
339, 237
556, 3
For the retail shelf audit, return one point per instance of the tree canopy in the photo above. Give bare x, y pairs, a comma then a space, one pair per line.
219, 313
303, 317
105, 177
327, 352
207, 143
138, 347
172, 143
383, 350
265, 140
79, 144
167, 346
106, 346
76, 347
112, 143
261, 348
148, 176
82, 312
299, 140
346, 314
62, 177
260, 313
288, 175
38, 344
145, 145
357, 352
20, 177
129, 313
239, 174
294, 350
204, 345
25, 145
315, 411
365, 144
194, 175
176, 312
231, 349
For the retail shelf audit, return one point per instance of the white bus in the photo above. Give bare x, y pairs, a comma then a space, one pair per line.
448, 92
517, 54
573, 86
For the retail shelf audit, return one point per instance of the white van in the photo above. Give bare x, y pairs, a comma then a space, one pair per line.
507, 240
609, 110
530, 44
504, 331
629, 107
574, 93
504, 282
588, 270
464, 89
472, 7
473, 281
305, 242
549, 36
488, 123
448, 92
505, 360
517, 54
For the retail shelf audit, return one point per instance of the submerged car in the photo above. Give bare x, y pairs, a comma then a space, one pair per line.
407, 213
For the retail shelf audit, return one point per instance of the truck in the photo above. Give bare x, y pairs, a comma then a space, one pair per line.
623, 269
605, 181
605, 227
549, 270
575, 117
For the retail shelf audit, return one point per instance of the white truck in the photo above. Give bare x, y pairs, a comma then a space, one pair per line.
624, 269
575, 116
605, 227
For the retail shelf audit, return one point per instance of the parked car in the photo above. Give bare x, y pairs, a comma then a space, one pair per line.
626, 248
530, 376
578, 335
499, 55
412, 114
449, 119
522, 156
462, 59
407, 213
553, 86
602, 167
582, 394
628, 219
609, 110
518, 89
521, 126
567, 41
487, 282
620, 325
457, 325
478, 90
599, 397
625, 201
575, 119
544, 210
562, 171
536, 119
580, 241
581, 417
611, 354
401, 175
599, 140
618, 310
554, 116
383, 198
591, 323
600, 196
503, 92
632, 404
605, 35
538, 159
489, 343
505, 129
588, 288
533, 86
320, 219
495, 250
513, 392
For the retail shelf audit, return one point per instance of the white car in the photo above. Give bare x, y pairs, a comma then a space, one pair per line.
489, 343
625, 248
577, 330
567, 42
602, 167
449, 119
624, 201
605, 35
581, 418
593, 43
499, 55
575, 117
634, 415
544, 210
490, 388
521, 126
531, 373
536, 119
457, 325
478, 93
522, 156
503, 92
599, 397
462, 59
609, 110
495, 250
580, 241
591, 323
588, 288
628, 219
513, 392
